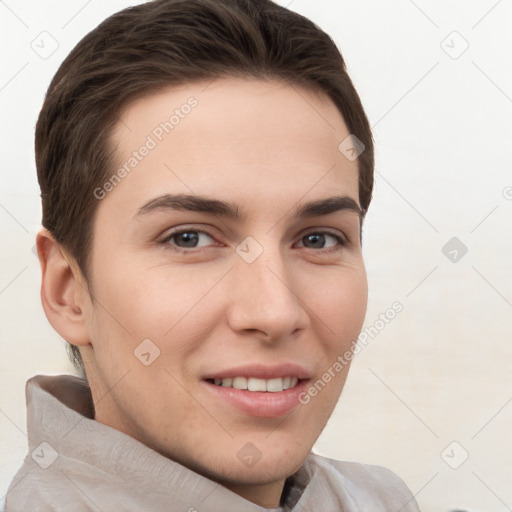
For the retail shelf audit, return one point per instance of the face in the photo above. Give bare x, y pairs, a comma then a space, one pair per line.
198, 300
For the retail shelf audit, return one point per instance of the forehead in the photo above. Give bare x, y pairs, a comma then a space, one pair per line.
252, 138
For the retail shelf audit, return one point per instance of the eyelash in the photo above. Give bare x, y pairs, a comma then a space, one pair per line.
194, 250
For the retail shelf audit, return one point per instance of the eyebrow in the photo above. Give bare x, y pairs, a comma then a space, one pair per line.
231, 211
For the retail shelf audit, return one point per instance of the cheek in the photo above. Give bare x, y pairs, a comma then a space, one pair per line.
341, 304
170, 306
337, 312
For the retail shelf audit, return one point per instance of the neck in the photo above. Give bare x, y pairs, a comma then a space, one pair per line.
266, 495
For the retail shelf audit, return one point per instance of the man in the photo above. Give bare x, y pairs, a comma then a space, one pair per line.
205, 168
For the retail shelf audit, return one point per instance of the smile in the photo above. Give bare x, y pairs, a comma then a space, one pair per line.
257, 384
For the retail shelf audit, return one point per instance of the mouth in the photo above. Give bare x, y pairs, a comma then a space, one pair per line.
255, 384
259, 391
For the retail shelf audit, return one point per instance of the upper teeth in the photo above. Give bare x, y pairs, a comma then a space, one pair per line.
254, 384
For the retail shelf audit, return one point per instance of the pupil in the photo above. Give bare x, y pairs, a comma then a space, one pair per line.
318, 240
189, 238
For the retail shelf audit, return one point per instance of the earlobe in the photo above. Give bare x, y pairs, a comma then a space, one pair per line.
62, 292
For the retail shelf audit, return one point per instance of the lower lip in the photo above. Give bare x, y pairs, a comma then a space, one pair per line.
258, 403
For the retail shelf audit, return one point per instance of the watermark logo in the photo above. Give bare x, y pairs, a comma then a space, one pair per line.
344, 360
249, 249
454, 249
44, 455
44, 45
151, 142
455, 455
249, 455
454, 45
147, 352
351, 147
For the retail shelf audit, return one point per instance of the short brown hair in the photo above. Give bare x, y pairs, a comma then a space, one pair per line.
154, 45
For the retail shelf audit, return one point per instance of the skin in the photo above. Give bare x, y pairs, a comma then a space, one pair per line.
265, 146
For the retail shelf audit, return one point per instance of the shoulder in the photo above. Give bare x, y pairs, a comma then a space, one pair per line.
375, 484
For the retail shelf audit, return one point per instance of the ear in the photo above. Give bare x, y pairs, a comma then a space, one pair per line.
63, 291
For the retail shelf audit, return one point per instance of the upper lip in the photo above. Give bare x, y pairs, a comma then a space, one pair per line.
261, 371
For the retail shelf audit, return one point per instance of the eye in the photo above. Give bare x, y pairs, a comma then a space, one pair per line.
186, 239
319, 239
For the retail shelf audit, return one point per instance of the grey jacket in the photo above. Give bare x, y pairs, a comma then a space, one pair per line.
76, 464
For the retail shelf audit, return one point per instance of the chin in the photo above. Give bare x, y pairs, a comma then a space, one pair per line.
260, 474
273, 466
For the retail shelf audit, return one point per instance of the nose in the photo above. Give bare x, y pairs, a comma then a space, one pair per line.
264, 298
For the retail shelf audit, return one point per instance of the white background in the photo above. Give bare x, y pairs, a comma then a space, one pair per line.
441, 371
